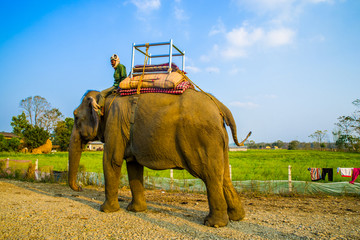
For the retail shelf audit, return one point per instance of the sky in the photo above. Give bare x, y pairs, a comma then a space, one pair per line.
285, 68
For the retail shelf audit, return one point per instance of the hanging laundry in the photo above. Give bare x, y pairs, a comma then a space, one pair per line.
315, 174
328, 171
356, 172
344, 172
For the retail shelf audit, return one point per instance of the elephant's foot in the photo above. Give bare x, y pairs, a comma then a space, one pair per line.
108, 206
136, 206
236, 214
216, 220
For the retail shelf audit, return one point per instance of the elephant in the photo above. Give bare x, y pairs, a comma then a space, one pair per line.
160, 131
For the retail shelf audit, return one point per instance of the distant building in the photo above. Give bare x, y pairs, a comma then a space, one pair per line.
95, 146
8, 135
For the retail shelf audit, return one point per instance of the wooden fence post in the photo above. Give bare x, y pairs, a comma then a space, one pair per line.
290, 185
7, 163
230, 172
171, 178
36, 169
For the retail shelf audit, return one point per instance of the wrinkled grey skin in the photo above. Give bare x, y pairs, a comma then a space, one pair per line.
168, 132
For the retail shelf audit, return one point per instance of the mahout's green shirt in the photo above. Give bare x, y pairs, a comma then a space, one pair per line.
119, 74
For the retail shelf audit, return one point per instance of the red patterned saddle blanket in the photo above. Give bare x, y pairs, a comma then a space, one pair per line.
179, 89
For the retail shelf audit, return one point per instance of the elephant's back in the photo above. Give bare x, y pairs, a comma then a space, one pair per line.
191, 104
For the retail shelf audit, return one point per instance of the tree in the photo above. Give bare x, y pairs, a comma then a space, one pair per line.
35, 136
251, 144
347, 134
14, 144
39, 113
49, 119
34, 108
19, 124
293, 145
62, 132
319, 136
278, 143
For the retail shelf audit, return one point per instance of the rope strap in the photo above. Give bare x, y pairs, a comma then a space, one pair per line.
143, 73
209, 95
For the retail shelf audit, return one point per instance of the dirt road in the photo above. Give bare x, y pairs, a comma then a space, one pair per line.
53, 211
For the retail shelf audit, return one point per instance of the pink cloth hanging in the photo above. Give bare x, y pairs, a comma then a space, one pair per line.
356, 172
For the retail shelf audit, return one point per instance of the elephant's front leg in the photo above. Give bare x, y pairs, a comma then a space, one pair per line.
136, 181
112, 162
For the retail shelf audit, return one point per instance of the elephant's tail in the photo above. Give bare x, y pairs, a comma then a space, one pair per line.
229, 120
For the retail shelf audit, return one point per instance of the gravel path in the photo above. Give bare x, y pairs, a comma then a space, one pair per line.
53, 211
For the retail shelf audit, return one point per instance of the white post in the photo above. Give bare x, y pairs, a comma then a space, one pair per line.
36, 169
171, 178
132, 60
170, 54
183, 61
290, 185
230, 173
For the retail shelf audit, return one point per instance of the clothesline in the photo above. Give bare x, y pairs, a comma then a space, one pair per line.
320, 173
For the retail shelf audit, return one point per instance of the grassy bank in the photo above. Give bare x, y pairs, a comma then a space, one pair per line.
250, 165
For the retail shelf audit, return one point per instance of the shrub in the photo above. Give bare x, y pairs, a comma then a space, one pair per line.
30, 173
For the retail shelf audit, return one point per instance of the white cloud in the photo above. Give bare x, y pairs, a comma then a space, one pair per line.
240, 40
248, 105
146, 5
278, 11
276, 30
232, 52
218, 28
213, 54
280, 37
236, 70
192, 69
242, 37
213, 69
180, 14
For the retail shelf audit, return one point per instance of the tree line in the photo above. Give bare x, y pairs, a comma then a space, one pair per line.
37, 123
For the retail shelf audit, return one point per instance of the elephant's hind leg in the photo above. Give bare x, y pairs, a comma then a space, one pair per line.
235, 210
218, 216
212, 174
136, 181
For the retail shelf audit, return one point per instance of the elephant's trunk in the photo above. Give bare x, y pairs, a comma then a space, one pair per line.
75, 149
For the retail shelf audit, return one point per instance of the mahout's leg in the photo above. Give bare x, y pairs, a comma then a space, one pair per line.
112, 162
136, 181
235, 209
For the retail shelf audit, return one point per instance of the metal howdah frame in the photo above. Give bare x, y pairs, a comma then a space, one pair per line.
170, 55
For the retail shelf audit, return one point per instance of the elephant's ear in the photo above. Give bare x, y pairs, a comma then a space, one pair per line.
94, 116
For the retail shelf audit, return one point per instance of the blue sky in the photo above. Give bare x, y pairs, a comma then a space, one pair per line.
285, 68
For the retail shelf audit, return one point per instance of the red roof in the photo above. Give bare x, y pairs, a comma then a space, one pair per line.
8, 135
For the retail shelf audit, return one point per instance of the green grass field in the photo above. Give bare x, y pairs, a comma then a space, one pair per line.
250, 165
